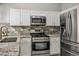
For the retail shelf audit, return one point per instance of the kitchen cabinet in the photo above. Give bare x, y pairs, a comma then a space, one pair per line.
53, 19
20, 17
4, 14
25, 47
15, 16
54, 45
50, 20
25, 17
56, 19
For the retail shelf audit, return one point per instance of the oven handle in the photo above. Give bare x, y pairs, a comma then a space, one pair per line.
42, 42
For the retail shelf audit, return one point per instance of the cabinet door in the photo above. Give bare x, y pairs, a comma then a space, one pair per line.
25, 17
56, 19
25, 47
38, 13
50, 20
53, 19
54, 45
6, 15
15, 16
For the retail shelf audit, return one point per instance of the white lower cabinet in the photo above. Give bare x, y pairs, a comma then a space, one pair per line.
54, 45
25, 47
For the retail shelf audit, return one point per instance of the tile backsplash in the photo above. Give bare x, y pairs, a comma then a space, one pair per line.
52, 29
22, 30
47, 29
4, 29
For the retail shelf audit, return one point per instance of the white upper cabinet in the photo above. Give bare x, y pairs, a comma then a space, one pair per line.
20, 17
25, 17
50, 21
4, 14
53, 19
15, 16
56, 19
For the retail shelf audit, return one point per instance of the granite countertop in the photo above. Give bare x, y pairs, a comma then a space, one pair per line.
9, 37
29, 36
9, 49
53, 35
25, 36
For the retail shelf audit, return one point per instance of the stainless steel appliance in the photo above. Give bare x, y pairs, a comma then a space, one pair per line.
40, 44
69, 42
38, 20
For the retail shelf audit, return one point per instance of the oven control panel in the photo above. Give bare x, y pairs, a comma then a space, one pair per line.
40, 39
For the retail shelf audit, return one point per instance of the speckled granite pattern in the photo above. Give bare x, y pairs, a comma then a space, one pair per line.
9, 49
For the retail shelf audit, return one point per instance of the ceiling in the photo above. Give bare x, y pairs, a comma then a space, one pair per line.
41, 6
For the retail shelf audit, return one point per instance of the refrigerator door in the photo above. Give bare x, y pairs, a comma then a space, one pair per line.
71, 33
74, 25
74, 30
68, 25
71, 25
63, 26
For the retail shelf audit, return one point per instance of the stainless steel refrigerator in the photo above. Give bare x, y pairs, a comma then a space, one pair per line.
69, 44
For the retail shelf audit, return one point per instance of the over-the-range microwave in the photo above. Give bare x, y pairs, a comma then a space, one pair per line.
38, 20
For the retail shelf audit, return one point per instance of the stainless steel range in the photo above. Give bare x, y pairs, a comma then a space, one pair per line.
40, 44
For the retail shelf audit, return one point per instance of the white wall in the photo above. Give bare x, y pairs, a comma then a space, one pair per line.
65, 6
41, 6
35, 6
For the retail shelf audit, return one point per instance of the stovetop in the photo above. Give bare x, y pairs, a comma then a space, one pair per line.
38, 35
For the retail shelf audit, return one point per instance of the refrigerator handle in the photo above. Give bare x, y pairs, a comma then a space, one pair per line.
70, 25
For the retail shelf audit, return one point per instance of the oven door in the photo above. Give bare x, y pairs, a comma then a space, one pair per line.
40, 46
